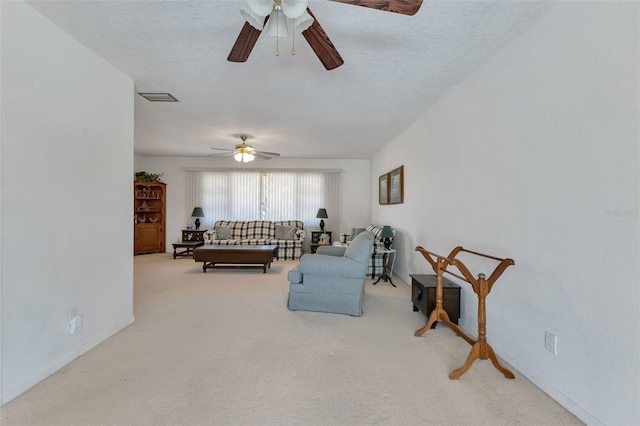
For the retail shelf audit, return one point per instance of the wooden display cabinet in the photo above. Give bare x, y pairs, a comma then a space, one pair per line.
149, 213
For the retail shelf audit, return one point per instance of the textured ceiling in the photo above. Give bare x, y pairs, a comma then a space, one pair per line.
395, 67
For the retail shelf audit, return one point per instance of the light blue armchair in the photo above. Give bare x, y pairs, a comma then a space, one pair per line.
332, 279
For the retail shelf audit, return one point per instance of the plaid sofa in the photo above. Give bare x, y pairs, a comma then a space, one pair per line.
376, 265
259, 232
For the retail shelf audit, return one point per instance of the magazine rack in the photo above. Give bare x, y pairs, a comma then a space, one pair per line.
481, 286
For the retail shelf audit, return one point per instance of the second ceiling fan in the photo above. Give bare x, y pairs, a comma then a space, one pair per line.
258, 12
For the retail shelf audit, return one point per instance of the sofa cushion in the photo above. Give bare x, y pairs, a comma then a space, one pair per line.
238, 228
285, 232
223, 232
297, 223
259, 230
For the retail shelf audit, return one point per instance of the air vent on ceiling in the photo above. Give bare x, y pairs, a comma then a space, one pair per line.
159, 97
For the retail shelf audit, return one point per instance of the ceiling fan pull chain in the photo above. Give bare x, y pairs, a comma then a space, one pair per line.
293, 42
277, 7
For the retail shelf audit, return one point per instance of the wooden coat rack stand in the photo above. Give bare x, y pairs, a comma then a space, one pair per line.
481, 286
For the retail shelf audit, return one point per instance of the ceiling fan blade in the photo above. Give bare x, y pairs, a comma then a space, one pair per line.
223, 149
405, 7
219, 154
320, 43
273, 154
264, 157
244, 43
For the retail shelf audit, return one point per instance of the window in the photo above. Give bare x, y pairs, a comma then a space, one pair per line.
262, 195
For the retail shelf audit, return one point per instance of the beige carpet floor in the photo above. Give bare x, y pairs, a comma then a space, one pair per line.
221, 348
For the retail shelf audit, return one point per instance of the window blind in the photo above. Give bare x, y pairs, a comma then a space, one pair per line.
258, 195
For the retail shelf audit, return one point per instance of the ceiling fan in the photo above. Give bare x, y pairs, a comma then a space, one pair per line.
258, 12
244, 153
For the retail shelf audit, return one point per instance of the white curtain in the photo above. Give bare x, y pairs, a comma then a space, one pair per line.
255, 195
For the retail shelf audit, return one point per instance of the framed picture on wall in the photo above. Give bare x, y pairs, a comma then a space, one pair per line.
396, 186
383, 189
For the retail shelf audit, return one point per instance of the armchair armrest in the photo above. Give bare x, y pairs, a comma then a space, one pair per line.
331, 250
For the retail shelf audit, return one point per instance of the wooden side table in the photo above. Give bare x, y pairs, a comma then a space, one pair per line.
387, 266
188, 246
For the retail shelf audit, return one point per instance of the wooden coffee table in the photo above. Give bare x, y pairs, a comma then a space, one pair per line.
235, 256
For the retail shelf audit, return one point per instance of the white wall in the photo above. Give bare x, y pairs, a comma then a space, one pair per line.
536, 158
66, 173
354, 196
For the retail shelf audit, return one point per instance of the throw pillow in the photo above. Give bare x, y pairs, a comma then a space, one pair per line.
285, 232
223, 232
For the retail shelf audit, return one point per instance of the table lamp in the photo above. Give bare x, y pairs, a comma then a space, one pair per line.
197, 213
387, 234
322, 214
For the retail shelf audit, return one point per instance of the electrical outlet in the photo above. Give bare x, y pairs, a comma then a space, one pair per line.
75, 321
75, 324
551, 342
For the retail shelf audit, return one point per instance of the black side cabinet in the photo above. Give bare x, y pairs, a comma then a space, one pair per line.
423, 296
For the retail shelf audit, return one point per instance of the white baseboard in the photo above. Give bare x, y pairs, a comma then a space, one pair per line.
56, 364
548, 388
555, 394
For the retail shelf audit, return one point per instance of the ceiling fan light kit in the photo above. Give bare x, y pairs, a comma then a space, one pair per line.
243, 157
278, 18
284, 18
244, 153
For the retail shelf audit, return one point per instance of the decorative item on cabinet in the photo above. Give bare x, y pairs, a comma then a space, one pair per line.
319, 238
148, 177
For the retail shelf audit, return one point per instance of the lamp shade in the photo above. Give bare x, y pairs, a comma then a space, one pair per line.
387, 232
322, 214
197, 212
